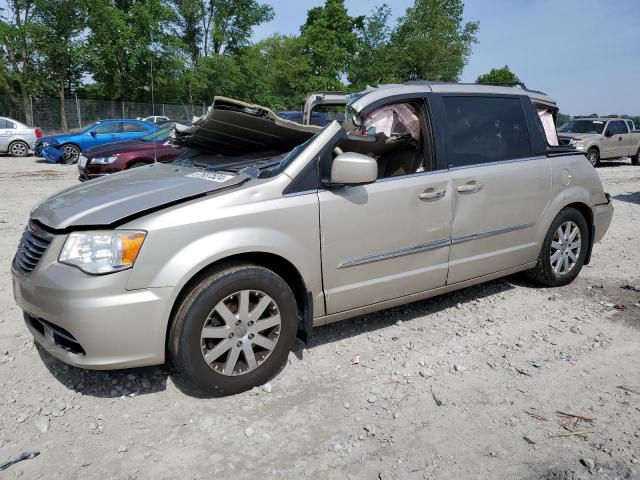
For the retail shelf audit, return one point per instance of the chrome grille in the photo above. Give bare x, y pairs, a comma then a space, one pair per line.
33, 244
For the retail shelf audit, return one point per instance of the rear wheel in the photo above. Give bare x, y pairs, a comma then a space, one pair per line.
594, 156
234, 330
635, 159
71, 153
18, 149
563, 251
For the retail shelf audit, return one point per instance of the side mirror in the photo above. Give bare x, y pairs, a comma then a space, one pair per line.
353, 169
93, 133
608, 133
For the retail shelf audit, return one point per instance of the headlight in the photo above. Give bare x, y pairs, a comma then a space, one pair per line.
577, 143
103, 160
101, 252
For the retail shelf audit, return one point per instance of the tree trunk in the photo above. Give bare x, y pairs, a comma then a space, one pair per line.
26, 104
63, 112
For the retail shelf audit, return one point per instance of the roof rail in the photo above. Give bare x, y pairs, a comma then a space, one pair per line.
495, 84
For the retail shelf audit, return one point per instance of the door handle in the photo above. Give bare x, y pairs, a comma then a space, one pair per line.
432, 194
470, 187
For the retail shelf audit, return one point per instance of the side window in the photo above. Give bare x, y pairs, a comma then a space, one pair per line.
484, 130
394, 135
112, 127
4, 123
621, 127
130, 127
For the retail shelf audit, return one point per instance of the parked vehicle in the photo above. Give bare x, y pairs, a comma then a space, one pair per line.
115, 157
602, 139
16, 138
67, 147
221, 260
157, 119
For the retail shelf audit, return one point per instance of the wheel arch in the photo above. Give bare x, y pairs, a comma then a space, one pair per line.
18, 140
587, 213
277, 264
138, 160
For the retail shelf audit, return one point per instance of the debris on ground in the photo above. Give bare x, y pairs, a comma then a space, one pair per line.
19, 458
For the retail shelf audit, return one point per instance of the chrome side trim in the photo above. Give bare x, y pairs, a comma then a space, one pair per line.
395, 253
376, 257
489, 233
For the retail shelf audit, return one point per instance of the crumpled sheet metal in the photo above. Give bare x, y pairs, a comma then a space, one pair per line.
51, 154
235, 127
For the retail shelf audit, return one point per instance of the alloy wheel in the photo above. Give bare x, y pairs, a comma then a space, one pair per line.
593, 157
71, 154
241, 332
565, 248
19, 149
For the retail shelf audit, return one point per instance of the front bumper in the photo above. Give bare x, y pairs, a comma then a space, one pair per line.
93, 321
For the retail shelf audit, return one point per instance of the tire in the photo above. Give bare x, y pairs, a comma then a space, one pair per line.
18, 149
546, 271
71, 153
635, 159
221, 373
593, 155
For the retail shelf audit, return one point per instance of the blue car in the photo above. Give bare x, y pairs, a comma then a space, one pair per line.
67, 147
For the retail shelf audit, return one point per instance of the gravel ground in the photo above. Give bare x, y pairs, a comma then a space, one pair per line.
467, 385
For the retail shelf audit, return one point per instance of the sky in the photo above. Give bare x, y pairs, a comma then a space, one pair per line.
583, 53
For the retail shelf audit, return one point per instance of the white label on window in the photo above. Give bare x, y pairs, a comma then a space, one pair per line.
598, 122
211, 176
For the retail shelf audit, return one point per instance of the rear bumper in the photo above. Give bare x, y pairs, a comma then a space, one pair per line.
93, 321
603, 214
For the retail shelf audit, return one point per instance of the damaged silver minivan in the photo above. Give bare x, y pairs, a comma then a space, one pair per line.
266, 228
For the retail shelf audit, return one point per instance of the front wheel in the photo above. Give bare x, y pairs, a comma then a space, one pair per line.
234, 330
71, 153
594, 156
564, 250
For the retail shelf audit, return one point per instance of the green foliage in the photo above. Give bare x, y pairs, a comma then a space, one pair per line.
431, 41
499, 76
330, 39
197, 49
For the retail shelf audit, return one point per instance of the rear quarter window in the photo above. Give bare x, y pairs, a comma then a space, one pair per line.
484, 130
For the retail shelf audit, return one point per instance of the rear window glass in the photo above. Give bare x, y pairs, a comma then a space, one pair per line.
484, 130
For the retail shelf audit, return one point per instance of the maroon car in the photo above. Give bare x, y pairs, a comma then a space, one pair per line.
115, 157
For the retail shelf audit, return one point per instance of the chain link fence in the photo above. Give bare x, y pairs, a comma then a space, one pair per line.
54, 116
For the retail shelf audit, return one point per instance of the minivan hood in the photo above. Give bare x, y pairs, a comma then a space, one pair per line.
115, 198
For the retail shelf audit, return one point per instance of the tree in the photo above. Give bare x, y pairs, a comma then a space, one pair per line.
499, 76
17, 33
126, 38
225, 26
431, 41
330, 38
374, 63
59, 44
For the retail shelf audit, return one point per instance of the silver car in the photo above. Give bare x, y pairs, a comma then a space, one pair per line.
266, 228
16, 138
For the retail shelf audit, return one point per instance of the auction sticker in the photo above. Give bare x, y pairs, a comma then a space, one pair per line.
211, 176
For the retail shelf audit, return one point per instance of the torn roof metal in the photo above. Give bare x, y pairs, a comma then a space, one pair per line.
235, 127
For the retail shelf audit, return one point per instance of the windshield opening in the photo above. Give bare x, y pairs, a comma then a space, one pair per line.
583, 126
264, 164
161, 133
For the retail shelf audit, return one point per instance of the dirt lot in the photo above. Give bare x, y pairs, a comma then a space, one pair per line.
462, 386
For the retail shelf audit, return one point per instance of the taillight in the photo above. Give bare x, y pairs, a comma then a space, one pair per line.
38, 133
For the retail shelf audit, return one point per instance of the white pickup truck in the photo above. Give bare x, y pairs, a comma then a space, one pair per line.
602, 138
